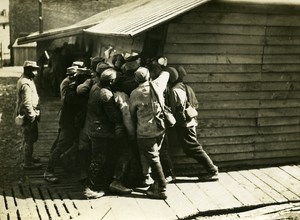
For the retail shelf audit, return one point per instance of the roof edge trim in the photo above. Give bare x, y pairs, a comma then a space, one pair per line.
62, 32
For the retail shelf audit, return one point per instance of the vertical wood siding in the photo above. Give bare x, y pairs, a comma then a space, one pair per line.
23, 53
243, 61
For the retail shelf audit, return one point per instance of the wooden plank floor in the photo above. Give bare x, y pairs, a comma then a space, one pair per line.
187, 198
235, 191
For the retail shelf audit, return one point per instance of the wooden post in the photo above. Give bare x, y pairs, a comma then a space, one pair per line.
40, 16
1, 52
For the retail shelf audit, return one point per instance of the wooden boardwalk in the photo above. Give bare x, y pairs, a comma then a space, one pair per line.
188, 198
234, 192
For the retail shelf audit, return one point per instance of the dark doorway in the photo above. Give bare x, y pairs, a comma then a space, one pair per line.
154, 43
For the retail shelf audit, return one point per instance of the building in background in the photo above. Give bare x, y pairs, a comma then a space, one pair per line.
242, 59
24, 15
4, 34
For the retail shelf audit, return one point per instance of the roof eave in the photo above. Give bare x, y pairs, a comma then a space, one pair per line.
53, 35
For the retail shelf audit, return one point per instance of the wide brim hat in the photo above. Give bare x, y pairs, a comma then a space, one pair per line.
31, 64
72, 70
83, 72
78, 63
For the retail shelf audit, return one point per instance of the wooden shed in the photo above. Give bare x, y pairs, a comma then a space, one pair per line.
23, 52
242, 59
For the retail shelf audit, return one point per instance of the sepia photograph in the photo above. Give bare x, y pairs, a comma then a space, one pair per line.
150, 109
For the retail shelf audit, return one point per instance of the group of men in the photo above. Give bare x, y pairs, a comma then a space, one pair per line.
115, 108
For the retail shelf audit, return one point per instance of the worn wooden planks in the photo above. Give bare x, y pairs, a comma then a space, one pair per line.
175, 200
277, 186
3, 206
11, 204
292, 170
125, 212
23, 208
154, 209
58, 204
264, 186
238, 190
288, 181
69, 205
186, 198
257, 192
197, 196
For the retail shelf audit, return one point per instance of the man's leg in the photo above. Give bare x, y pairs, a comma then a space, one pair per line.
124, 155
65, 141
84, 154
166, 161
97, 175
30, 134
150, 147
192, 148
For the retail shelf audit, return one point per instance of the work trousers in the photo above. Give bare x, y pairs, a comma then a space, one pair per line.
123, 154
192, 148
30, 136
149, 148
98, 176
65, 141
165, 160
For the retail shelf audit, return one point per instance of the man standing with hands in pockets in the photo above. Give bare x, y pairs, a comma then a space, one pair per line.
28, 109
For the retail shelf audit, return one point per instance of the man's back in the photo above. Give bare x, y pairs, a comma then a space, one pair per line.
146, 107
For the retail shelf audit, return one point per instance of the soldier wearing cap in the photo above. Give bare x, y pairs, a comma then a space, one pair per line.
27, 106
104, 126
126, 81
150, 130
71, 71
84, 144
181, 96
71, 121
94, 63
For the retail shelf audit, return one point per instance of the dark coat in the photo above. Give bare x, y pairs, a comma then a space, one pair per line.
104, 118
74, 108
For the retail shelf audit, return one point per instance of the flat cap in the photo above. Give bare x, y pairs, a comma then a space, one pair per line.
108, 75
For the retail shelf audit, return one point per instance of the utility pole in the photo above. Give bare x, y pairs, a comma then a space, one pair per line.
40, 16
1, 52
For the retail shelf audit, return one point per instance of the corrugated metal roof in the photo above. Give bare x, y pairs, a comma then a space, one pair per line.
133, 18
126, 20
143, 17
78, 28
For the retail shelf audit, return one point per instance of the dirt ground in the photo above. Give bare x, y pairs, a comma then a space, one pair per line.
10, 134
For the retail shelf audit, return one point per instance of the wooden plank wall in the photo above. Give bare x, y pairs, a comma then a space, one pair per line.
243, 62
23, 53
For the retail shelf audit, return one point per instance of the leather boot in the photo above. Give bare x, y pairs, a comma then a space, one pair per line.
117, 187
156, 192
